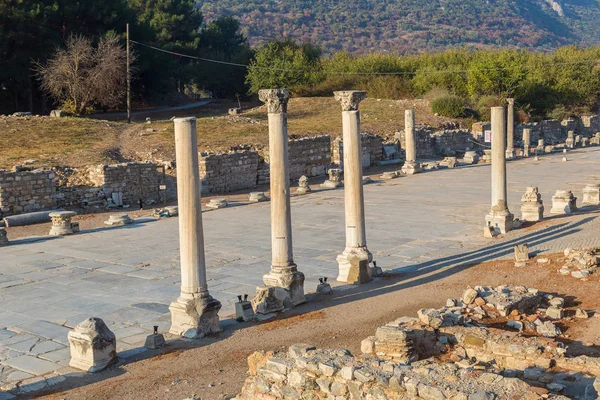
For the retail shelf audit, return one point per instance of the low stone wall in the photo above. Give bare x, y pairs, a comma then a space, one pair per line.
372, 150
552, 131
309, 156
305, 372
221, 173
26, 191
133, 180
535, 133
448, 142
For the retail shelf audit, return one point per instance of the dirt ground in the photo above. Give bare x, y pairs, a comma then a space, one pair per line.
215, 368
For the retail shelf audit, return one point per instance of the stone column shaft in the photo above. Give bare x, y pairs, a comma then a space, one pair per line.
281, 216
410, 164
195, 313
510, 129
354, 261
526, 141
499, 220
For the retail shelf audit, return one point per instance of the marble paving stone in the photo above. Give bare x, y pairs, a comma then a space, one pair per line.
31, 365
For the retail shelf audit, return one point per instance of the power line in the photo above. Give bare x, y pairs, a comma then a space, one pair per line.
464, 71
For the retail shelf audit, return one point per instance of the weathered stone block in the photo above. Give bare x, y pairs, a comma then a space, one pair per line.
93, 346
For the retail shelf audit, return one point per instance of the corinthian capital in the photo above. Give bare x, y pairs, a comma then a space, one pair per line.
350, 99
275, 99
510, 101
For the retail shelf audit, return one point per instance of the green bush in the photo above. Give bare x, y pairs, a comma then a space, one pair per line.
484, 104
448, 106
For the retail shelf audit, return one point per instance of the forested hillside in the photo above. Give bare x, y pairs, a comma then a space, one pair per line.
415, 25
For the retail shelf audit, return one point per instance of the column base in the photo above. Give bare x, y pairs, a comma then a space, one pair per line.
283, 289
499, 222
532, 212
411, 168
510, 154
354, 265
60, 231
195, 317
331, 184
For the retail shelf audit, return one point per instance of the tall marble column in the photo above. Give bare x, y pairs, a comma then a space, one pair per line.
284, 273
510, 129
195, 313
411, 166
526, 141
499, 220
354, 261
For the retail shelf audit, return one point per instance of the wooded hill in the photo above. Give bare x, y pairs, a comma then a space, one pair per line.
415, 25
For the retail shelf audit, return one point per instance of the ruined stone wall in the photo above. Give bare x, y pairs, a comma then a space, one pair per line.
448, 141
372, 150
424, 142
222, 173
535, 132
310, 156
552, 131
591, 125
131, 179
26, 191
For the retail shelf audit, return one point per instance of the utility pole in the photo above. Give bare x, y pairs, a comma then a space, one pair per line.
128, 80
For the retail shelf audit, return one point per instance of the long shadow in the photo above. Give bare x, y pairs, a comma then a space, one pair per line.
410, 276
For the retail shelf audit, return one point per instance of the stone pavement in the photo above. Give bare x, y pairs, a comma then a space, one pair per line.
128, 276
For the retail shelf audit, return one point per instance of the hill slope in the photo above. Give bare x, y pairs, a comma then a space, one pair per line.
415, 25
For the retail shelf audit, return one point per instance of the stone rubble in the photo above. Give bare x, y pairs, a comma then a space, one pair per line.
581, 263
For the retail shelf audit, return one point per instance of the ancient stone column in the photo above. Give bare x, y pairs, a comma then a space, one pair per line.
526, 141
195, 313
284, 273
354, 261
499, 220
411, 166
510, 129
61, 223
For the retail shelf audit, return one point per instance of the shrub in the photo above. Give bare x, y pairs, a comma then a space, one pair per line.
448, 106
484, 105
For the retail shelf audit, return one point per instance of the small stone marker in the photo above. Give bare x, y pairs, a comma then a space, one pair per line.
367, 180
521, 252
335, 179
563, 202
118, 220
471, 157
303, 187
155, 341
243, 309
3, 237
93, 346
217, 203
75, 227
323, 287
257, 197
389, 175
58, 114
61, 223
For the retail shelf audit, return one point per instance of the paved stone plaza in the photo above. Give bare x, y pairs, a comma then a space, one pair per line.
128, 276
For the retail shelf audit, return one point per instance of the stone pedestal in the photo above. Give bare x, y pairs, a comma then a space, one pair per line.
354, 262
335, 179
118, 220
471, 157
389, 175
526, 141
510, 129
217, 203
155, 341
61, 223
244, 311
499, 220
563, 202
487, 156
591, 195
257, 197
449, 162
284, 273
532, 206
194, 313
93, 346
303, 187
411, 166
3, 237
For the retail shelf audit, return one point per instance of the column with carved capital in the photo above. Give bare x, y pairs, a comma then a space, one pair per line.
284, 284
354, 262
510, 129
195, 312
